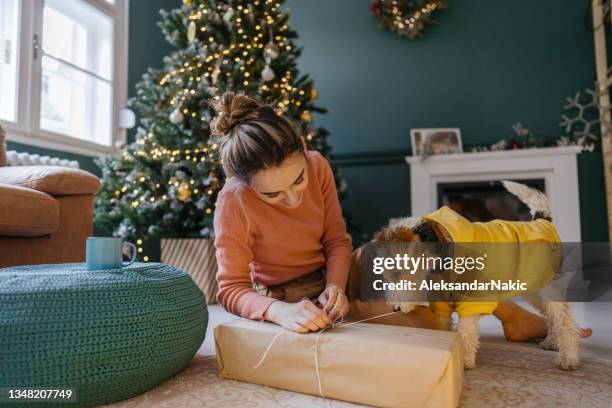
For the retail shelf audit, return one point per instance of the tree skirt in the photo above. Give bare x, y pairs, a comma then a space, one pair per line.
506, 376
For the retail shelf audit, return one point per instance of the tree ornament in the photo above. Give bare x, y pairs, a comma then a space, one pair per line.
176, 116
216, 71
153, 230
187, 2
191, 31
206, 232
183, 193
267, 74
306, 116
271, 51
227, 17
313, 94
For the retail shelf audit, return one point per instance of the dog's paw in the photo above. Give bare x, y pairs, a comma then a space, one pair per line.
469, 362
568, 363
405, 307
549, 343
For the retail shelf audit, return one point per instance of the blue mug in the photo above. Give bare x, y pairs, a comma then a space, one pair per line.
107, 253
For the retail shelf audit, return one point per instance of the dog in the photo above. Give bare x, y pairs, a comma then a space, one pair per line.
563, 330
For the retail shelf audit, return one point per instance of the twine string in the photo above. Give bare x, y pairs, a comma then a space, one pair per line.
265, 354
316, 344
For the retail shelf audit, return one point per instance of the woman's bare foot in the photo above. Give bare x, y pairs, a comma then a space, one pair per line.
522, 325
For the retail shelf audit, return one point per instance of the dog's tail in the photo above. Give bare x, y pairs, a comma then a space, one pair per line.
536, 200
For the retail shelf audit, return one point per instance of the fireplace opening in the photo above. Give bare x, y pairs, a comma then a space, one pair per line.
486, 200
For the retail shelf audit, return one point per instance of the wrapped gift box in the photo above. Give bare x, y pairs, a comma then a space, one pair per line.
381, 365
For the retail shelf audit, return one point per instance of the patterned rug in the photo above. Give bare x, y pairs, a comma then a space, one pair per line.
506, 376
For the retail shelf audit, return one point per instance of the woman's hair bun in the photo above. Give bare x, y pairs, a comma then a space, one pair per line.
232, 108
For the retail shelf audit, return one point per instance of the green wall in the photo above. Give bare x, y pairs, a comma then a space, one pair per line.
147, 45
485, 66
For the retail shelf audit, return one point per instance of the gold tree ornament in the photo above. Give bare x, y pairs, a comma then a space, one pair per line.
313, 94
187, 2
184, 192
306, 116
405, 18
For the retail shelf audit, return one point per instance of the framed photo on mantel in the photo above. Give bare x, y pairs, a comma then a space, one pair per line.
427, 142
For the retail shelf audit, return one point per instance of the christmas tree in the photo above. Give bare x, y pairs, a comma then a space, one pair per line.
165, 183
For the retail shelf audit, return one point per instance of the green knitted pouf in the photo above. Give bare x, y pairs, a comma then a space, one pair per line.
110, 334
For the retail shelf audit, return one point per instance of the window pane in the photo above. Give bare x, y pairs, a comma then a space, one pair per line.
76, 83
75, 103
9, 53
80, 34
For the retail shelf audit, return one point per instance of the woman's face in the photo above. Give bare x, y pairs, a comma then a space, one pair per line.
283, 185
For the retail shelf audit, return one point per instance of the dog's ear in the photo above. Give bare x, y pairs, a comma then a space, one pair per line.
427, 232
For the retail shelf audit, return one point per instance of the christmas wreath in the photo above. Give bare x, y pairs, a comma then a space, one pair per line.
404, 18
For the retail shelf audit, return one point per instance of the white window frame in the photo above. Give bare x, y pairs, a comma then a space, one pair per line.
27, 129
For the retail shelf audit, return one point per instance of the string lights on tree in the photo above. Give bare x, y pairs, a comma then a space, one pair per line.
165, 183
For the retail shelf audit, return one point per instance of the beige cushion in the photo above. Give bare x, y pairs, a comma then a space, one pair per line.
2, 147
53, 180
27, 213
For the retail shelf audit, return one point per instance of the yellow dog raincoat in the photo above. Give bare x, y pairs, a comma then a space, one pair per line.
533, 264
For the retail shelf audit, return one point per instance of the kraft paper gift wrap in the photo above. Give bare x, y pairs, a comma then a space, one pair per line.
374, 364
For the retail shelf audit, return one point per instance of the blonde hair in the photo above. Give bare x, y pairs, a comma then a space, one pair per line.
251, 135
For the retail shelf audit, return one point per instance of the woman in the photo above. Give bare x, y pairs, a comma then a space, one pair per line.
282, 248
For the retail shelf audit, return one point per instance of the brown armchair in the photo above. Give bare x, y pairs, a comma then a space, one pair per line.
46, 212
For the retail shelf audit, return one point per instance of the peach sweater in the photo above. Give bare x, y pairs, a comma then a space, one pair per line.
270, 244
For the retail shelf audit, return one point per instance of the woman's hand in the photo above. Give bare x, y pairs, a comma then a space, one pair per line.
301, 317
334, 302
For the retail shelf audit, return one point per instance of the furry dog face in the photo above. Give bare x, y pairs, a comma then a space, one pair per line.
401, 231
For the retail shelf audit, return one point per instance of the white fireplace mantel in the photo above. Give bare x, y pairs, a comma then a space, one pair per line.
555, 165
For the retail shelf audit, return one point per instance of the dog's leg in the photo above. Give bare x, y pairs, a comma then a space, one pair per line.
563, 334
469, 333
549, 343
